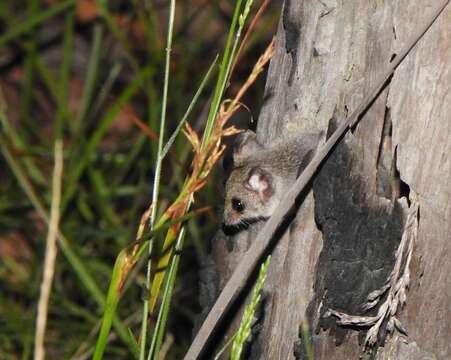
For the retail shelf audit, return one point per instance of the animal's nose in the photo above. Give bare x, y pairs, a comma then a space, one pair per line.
230, 217
229, 230
225, 228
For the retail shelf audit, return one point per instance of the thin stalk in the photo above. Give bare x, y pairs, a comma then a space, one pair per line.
163, 223
52, 85
158, 172
160, 325
178, 245
104, 91
188, 111
150, 32
220, 85
21, 145
242, 20
50, 254
250, 30
91, 76
224, 347
64, 78
109, 19
98, 135
29, 66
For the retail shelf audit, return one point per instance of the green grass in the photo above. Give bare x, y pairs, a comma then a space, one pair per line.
72, 80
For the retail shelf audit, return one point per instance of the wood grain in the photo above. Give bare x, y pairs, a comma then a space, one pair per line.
252, 257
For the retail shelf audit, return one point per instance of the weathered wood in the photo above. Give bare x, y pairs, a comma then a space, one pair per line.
325, 52
328, 55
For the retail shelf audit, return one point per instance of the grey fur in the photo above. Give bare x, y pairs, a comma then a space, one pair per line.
261, 175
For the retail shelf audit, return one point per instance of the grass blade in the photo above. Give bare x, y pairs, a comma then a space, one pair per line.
64, 78
29, 67
124, 263
98, 135
122, 40
171, 237
158, 169
134, 344
76, 263
21, 145
91, 76
222, 77
105, 90
174, 240
32, 22
188, 111
160, 325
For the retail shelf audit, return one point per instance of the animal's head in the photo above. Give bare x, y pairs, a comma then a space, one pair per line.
250, 192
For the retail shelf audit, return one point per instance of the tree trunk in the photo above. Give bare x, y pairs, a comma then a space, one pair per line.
342, 243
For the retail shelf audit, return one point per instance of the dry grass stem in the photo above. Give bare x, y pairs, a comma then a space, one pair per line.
50, 254
144, 128
204, 159
395, 288
258, 68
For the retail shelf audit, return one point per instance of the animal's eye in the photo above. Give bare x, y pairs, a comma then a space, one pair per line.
237, 205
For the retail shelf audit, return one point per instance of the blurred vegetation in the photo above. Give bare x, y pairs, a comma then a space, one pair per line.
91, 72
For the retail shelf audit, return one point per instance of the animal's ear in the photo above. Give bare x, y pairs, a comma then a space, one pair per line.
260, 182
245, 144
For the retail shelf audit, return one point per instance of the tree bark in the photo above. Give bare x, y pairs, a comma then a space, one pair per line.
342, 243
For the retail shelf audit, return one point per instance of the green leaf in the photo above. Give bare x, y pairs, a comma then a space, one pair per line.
122, 266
